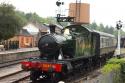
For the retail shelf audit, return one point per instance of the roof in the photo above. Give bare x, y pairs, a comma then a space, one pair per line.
103, 33
43, 27
57, 26
24, 32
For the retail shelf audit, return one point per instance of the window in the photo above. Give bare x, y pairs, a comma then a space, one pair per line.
27, 40
67, 34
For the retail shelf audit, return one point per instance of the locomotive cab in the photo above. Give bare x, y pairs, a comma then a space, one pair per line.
79, 39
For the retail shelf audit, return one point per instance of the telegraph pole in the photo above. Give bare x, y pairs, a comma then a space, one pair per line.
118, 26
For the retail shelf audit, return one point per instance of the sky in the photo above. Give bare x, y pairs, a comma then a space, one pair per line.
107, 12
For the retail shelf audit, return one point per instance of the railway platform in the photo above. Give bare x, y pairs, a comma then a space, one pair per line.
18, 50
122, 52
15, 56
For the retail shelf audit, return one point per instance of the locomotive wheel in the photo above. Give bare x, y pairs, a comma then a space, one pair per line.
34, 75
55, 77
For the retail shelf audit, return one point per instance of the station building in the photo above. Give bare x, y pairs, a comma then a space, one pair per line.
24, 38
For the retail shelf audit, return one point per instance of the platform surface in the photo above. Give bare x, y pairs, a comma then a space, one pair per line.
19, 50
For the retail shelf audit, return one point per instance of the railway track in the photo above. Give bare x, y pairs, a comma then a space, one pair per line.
76, 78
9, 63
88, 77
84, 77
12, 74
23, 77
15, 77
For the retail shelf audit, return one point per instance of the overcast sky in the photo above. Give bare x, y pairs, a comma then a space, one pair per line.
101, 11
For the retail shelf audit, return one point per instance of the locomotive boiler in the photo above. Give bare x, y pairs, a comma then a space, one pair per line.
76, 48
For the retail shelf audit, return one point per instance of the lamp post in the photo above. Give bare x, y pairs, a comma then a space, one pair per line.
118, 26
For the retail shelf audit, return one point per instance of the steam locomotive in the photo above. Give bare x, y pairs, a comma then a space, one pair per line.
76, 48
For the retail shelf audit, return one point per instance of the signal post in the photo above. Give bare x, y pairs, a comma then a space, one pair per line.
118, 26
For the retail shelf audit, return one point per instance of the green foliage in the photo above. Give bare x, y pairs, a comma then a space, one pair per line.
114, 71
116, 61
50, 20
93, 25
114, 67
10, 22
113, 64
106, 29
33, 17
110, 67
22, 17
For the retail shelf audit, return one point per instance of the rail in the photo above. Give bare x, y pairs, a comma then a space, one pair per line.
15, 77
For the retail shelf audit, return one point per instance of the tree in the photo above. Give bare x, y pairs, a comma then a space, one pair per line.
33, 17
111, 30
50, 20
106, 29
10, 21
93, 26
22, 16
101, 27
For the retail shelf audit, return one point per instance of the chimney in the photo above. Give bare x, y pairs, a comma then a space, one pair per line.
52, 28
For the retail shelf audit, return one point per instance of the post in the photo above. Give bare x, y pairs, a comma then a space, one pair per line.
118, 45
118, 26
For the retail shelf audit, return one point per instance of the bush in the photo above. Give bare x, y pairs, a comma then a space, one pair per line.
114, 67
110, 67
113, 64
116, 61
